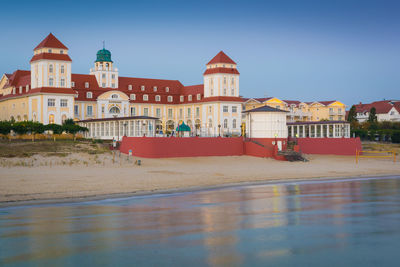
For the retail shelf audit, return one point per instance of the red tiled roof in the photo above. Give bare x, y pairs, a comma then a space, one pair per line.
193, 90
221, 70
51, 56
221, 57
7, 75
19, 78
382, 107
292, 102
326, 103
223, 98
51, 42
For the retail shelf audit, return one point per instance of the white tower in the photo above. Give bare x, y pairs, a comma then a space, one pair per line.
221, 77
50, 64
106, 74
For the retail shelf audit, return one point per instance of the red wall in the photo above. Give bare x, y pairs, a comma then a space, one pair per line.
170, 147
333, 146
255, 150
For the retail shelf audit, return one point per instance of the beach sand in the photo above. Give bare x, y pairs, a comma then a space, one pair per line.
82, 176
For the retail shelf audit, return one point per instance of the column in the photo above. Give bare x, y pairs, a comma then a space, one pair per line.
292, 130
334, 131
304, 131
309, 130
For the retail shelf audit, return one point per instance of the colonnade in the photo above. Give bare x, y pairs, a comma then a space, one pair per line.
319, 130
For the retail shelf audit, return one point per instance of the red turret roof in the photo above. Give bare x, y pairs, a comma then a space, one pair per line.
52, 42
62, 57
221, 57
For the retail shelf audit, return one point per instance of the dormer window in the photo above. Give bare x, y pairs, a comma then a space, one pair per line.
158, 98
145, 97
20, 89
14, 91
198, 96
182, 98
50, 51
27, 88
130, 87
133, 97
89, 95
190, 97
155, 88
170, 99
167, 89
86, 85
114, 96
142, 87
61, 51
73, 84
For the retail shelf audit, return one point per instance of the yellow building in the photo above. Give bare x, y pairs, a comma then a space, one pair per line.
302, 111
50, 93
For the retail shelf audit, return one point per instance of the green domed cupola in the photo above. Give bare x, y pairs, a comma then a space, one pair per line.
103, 55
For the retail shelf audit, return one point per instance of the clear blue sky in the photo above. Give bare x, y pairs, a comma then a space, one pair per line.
308, 50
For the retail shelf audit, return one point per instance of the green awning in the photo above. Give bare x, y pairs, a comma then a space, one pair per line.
183, 128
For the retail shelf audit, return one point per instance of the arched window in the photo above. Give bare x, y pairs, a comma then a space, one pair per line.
63, 118
62, 68
51, 68
234, 123
225, 123
114, 96
51, 119
114, 110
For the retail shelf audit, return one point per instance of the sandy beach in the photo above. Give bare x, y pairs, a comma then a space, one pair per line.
82, 176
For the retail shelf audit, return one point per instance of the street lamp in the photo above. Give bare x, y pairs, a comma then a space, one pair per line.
219, 130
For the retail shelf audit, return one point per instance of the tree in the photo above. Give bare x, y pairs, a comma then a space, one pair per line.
5, 127
55, 128
372, 115
70, 127
352, 116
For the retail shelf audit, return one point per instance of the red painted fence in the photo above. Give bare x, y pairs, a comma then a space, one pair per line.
326, 146
172, 147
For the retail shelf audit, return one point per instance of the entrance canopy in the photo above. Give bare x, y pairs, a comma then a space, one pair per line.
183, 128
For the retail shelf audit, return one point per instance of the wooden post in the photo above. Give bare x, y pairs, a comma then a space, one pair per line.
356, 156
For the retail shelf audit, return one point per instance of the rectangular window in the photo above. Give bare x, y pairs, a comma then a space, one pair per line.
158, 113
198, 96
158, 98
133, 97
190, 97
73, 84
89, 110
331, 118
103, 85
133, 111
113, 85
189, 111
197, 112
170, 98
51, 102
145, 97
113, 76
63, 102
62, 82
51, 81
180, 113
76, 110
181, 98
170, 113
225, 108
89, 94
103, 75
145, 112
234, 109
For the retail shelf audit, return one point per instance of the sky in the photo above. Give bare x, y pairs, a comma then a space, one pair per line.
307, 50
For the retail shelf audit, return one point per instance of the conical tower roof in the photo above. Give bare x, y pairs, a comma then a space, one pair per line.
51, 42
221, 57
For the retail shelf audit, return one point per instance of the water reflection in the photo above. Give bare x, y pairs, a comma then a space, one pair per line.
285, 224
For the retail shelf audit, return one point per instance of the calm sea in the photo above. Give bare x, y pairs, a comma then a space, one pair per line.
329, 223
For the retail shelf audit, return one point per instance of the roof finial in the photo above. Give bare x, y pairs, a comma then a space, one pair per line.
104, 44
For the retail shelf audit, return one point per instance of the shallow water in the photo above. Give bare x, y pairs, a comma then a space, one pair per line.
330, 223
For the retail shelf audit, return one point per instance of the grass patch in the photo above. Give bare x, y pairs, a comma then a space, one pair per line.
60, 148
378, 146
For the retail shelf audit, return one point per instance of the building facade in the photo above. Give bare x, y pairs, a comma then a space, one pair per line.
386, 110
50, 93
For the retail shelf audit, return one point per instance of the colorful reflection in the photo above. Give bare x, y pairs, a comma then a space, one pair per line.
350, 222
